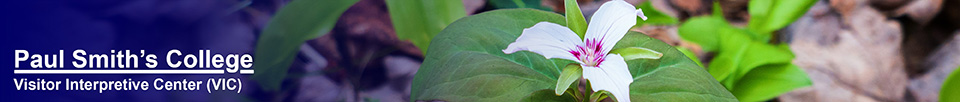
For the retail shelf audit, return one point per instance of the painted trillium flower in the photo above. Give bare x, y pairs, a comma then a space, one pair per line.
607, 26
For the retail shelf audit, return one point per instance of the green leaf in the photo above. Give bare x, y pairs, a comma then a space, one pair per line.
673, 77
733, 46
600, 95
767, 16
769, 81
754, 70
575, 20
574, 89
745, 64
507, 4
420, 20
951, 87
631, 53
761, 54
758, 54
704, 31
298, 21
570, 74
690, 55
654, 16
546, 96
717, 11
466, 63
759, 10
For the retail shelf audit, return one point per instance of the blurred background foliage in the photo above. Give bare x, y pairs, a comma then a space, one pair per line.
746, 62
804, 50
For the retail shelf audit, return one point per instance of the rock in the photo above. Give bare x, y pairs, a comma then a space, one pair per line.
849, 57
318, 89
555, 5
952, 13
920, 41
688, 5
473, 5
366, 25
664, 7
402, 70
365, 59
885, 5
921, 11
845, 6
690, 8
735, 10
944, 60
667, 34
363, 28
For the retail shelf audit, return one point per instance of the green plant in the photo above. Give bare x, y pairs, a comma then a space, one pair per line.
298, 21
507, 4
660, 18
465, 63
951, 87
746, 63
420, 20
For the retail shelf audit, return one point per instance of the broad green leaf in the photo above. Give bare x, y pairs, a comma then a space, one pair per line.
690, 55
673, 77
766, 82
654, 16
466, 63
298, 21
654, 78
420, 20
951, 87
507, 4
570, 74
767, 16
546, 96
575, 20
631, 53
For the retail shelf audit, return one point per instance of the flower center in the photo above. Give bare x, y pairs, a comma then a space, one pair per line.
589, 53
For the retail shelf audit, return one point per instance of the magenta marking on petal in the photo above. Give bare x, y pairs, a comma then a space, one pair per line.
590, 53
575, 54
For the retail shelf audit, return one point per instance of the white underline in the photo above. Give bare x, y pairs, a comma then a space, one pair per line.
204, 71
246, 71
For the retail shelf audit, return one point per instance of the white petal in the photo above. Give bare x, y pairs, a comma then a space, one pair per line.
547, 39
611, 21
640, 14
611, 75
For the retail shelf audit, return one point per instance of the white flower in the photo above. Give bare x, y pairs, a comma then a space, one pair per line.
607, 26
